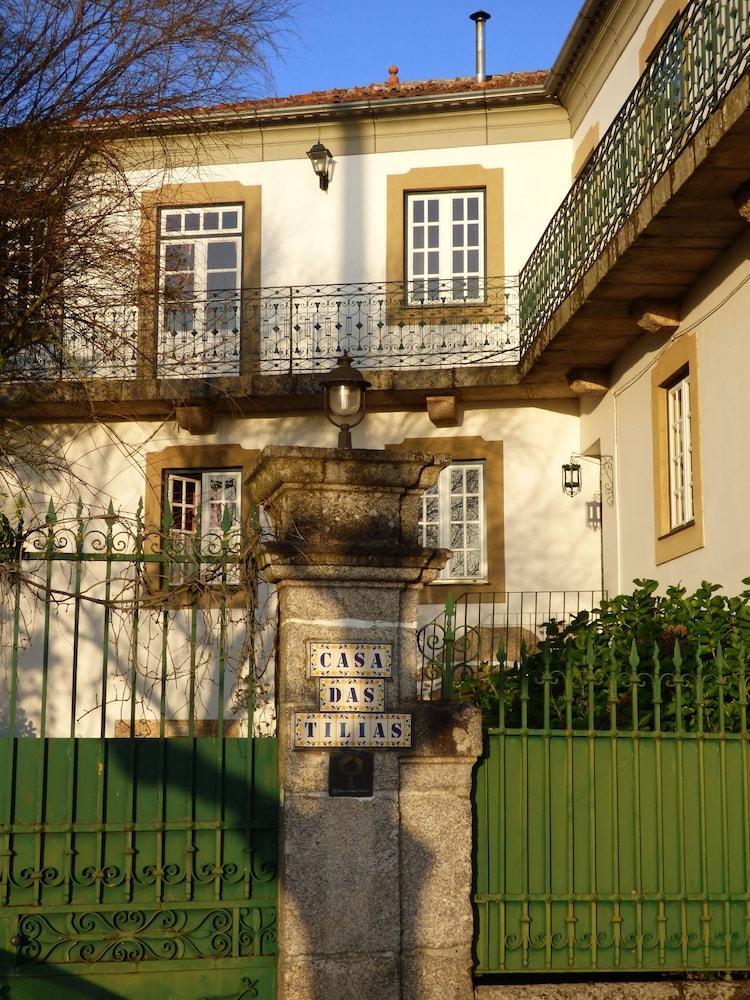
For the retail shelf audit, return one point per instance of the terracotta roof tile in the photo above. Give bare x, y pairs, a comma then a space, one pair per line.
388, 91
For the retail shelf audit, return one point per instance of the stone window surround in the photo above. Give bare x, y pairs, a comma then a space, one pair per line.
466, 177
660, 24
186, 195
491, 453
198, 457
678, 358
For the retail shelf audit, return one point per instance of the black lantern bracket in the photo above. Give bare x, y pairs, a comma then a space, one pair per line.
572, 477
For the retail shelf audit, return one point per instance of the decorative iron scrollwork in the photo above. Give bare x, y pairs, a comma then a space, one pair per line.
145, 935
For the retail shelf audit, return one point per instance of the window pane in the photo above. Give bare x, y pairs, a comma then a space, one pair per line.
179, 256
222, 255
173, 223
431, 538
433, 210
458, 236
458, 209
457, 509
456, 565
433, 263
472, 508
433, 237
432, 508
458, 261
472, 480
210, 220
472, 261
472, 536
418, 238
472, 563
457, 536
192, 221
221, 281
418, 206
472, 288
459, 291
229, 220
472, 231
457, 480
178, 287
417, 266
472, 208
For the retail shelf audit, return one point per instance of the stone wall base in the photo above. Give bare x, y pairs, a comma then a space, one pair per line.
676, 989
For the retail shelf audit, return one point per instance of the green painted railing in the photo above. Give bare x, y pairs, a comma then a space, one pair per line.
138, 814
613, 816
697, 64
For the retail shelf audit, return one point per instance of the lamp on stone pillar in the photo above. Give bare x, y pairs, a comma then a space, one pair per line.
344, 391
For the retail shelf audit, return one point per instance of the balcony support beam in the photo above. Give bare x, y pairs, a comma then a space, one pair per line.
195, 419
443, 410
741, 199
589, 381
656, 315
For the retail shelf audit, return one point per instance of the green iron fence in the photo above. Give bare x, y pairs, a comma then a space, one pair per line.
613, 815
697, 64
137, 806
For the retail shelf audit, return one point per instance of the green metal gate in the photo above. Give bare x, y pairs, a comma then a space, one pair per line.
613, 818
138, 812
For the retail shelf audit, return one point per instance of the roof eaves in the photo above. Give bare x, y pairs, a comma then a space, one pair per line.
236, 117
588, 17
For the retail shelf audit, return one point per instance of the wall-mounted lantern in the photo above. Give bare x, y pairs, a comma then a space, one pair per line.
344, 391
571, 478
321, 159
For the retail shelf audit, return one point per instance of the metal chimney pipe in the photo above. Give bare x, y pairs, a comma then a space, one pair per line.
479, 17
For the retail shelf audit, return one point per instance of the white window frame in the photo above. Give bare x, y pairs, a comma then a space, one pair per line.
680, 454
445, 246
183, 539
438, 531
203, 312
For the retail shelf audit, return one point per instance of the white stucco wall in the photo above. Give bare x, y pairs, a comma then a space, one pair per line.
312, 237
547, 542
716, 312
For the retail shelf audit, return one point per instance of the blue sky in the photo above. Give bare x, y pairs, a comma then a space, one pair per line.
341, 43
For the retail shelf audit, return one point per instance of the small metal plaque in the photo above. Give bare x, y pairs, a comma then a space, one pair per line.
352, 694
350, 774
355, 729
349, 659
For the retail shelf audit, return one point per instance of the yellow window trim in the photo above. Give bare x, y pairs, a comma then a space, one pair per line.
466, 449
468, 178
671, 543
181, 195
199, 457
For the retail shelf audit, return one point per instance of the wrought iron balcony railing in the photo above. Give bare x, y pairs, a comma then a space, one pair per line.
283, 330
694, 68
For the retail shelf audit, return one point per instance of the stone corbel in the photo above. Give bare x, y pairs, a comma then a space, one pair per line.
195, 419
741, 199
656, 315
588, 381
443, 410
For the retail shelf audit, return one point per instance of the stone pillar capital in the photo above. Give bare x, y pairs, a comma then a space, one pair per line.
352, 512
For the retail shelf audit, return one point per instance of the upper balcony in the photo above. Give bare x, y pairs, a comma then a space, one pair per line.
269, 342
660, 200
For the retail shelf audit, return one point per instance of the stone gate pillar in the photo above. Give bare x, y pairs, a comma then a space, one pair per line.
374, 890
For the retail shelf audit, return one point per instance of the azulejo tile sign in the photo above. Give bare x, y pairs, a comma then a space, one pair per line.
351, 679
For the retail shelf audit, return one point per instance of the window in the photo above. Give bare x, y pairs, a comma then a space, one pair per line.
678, 503
445, 253
680, 454
201, 266
204, 508
452, 517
